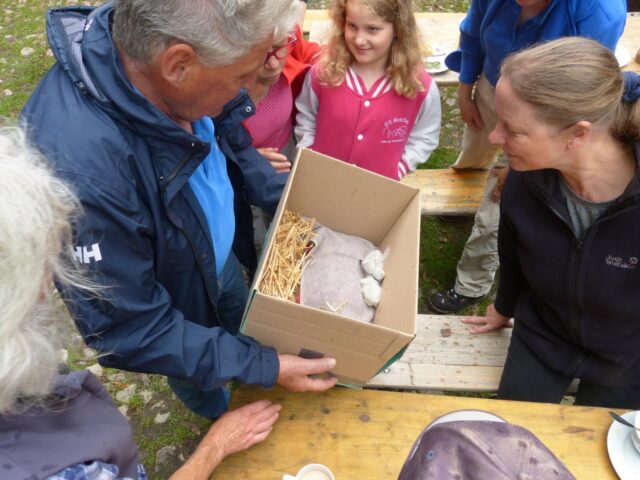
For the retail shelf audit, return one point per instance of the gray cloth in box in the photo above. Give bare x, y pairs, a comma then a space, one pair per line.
333, 276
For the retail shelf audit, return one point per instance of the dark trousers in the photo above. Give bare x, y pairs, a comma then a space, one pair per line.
526, 378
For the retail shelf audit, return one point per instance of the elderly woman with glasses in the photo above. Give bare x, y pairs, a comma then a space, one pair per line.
278, 82
277, 85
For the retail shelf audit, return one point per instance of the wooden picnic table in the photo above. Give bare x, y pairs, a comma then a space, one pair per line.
442, 29
446, 356
367, 434
631, 40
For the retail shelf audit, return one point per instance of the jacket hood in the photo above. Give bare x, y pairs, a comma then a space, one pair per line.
80, 38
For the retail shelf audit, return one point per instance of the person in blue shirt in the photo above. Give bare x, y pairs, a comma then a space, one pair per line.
142, 114
491, 30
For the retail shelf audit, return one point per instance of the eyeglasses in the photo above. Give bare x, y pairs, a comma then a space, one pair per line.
281, 51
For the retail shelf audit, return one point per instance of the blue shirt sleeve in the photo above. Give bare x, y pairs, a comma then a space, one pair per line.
470, 42
601, 20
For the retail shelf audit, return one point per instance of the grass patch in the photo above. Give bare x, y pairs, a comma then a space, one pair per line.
442, 6
24, 53
441, 242
442, 157
182, 429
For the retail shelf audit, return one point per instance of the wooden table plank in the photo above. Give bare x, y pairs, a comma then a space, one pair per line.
445, 356
631, 40
441, 30
447, 191
368, 434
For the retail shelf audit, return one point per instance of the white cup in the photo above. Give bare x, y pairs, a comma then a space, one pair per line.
313, 471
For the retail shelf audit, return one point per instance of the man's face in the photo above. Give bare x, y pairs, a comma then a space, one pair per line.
205, 90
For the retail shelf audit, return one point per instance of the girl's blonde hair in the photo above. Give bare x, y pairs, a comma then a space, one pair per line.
405, 58
35, 245
573, 79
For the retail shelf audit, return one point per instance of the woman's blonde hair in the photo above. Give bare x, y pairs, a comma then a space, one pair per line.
573, 79
35, 246
405, 58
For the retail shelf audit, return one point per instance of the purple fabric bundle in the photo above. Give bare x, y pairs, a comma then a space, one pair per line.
477, 449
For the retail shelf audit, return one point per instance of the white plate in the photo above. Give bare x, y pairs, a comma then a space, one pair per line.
460, 415
624, 457
622, 55
438, 61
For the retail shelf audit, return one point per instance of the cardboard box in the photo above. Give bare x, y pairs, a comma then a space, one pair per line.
349, 200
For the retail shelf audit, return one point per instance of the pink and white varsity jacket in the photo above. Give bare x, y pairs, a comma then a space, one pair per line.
376, 129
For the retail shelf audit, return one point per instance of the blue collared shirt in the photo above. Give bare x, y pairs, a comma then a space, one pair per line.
490, 31
211, 185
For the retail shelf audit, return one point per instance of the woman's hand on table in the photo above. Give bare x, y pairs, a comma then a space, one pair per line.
493, 320
468, 109
278, 161
243, 427
295, 373
233, 432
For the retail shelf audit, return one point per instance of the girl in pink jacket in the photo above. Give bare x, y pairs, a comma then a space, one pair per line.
369, 101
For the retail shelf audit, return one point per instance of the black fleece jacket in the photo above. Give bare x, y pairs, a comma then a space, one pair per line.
576, 301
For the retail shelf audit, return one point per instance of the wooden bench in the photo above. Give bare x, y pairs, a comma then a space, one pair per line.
445, 356
447, 191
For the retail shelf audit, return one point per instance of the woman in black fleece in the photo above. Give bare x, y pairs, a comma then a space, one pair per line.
569, 238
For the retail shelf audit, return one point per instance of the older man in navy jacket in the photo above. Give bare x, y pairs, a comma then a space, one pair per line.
142, 114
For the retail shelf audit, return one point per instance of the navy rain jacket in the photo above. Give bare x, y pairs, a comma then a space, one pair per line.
143, 233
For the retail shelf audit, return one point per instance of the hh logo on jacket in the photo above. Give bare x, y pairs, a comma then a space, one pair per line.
85, 254
395, 130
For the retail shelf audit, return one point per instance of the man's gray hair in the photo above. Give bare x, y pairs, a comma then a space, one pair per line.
220, 31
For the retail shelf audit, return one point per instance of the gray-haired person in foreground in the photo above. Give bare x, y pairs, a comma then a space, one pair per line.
62, 427
142, 115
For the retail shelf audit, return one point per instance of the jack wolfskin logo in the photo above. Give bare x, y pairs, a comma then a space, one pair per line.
619, 262
84, 254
